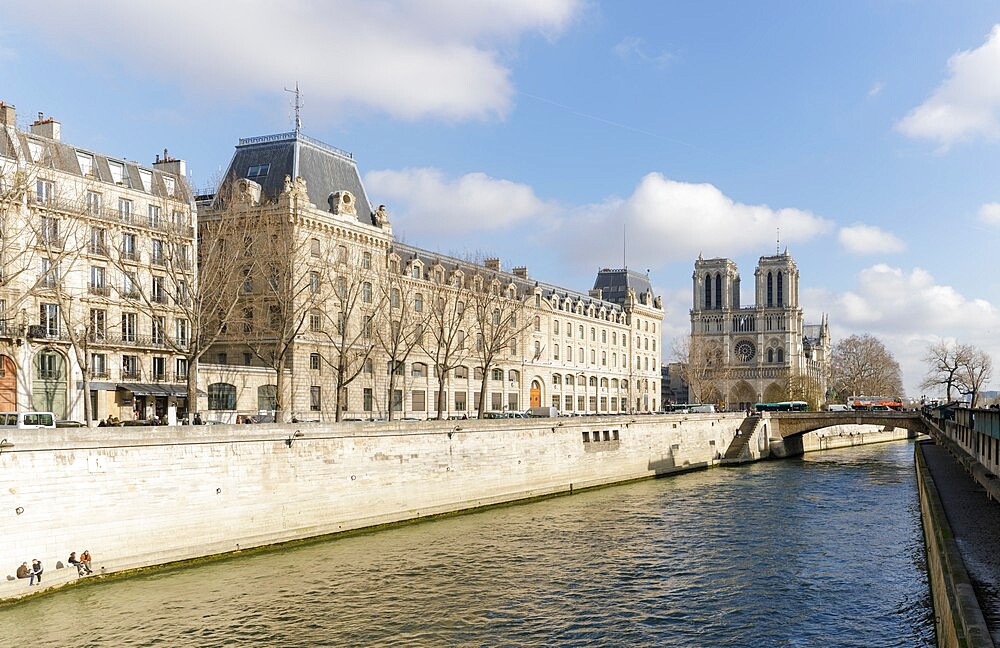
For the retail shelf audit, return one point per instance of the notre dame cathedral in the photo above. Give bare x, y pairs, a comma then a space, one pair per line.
741, 355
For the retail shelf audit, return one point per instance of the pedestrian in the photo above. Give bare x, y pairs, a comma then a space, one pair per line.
197, 418
85, 560
81, 569
36, 572
23, 571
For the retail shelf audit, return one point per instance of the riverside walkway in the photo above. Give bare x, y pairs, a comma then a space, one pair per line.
975, 524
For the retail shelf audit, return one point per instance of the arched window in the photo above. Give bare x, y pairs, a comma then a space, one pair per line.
514, 376
555, 327
708, 291
497, 373
718, 291
781, 297
556, 379
555, 351
477, 373
593, 381
418, 370
538, 323
770, 290
267, 397
593, 334
580, 329
781, 355
770, 355
221, 396
570, 380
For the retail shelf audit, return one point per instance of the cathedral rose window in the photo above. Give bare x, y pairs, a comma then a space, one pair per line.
745, 350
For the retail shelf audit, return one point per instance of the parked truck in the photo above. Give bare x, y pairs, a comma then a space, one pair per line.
543, 412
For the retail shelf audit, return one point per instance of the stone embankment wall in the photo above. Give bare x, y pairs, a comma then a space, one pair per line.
137, 497
833, 437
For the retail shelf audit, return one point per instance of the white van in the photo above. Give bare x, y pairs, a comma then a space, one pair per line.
837, 407
703, 409
27, 420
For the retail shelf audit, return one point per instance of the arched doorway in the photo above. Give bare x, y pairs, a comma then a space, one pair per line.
8, 384
48, 387
536, 393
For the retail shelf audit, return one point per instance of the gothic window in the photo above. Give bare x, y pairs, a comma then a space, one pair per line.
708, 291
781, 299
770, 355
745, 350
718, 291
781, 355
770, 290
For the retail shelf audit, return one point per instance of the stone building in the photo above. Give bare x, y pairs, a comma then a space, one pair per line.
96, 253
375, 325
740, 355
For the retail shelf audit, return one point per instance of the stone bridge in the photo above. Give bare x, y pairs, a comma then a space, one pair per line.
792, 424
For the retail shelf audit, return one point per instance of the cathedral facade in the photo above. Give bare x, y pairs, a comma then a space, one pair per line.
741, 355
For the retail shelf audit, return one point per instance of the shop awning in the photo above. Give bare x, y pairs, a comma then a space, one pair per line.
154, 389
98, 386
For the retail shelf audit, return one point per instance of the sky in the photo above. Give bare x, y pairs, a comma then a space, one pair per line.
863, 136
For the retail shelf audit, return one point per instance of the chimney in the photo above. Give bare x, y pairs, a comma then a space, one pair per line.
171, 165
7, 115
46, 127
492, 264
521, 271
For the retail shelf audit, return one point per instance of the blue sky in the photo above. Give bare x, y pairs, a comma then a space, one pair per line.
868, 131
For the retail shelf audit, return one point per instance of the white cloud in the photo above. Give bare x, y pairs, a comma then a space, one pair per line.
424, 202
409, 59
990, 214
876, 89
667, 221
906, 310
633, 47
967, 103
868, 239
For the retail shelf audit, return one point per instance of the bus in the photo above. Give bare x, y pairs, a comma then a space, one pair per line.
875, 402
783, 406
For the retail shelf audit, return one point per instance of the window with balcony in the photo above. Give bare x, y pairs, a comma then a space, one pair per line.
182, 368
48, 233
43, 192
98, 241
129, 247
159, 293
98, 325
48, 365
98, 365
130, 367
157, 258
159, 368
315, 398
98, 281
49, 277
153, 215
125, 210
129, 327
130, 285
93, 203
159, 329
48, 318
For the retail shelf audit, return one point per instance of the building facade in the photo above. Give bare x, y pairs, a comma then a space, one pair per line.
96, 253
336, 314
740, 355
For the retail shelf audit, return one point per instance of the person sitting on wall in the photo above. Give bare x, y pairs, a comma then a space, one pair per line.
102, 424
197, 419
81, 569
85, 561
23, 571
36, 572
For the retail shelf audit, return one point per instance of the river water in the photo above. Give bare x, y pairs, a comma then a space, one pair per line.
820, 551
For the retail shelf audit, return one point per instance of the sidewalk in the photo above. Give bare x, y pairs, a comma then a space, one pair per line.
975, 523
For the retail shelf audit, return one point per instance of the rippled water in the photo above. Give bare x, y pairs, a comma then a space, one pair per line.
824, 551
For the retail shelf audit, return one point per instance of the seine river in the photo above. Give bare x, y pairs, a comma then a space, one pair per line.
823, 551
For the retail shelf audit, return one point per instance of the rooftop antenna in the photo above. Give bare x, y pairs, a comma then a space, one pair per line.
777, 247
624, 262
298, 108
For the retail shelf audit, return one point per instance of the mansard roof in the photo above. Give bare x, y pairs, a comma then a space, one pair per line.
47, 153
428, 258
614, 284
269, 159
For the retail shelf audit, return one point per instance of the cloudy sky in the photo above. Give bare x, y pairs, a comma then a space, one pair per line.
569, 135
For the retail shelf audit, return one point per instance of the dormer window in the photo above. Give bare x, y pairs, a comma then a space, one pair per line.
117, 172
258, 171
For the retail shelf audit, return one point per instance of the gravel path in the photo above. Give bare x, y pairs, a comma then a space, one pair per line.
975, 522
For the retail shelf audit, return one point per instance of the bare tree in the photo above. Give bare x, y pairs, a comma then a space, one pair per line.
399, 327
271, 317
444, 337
18, 256
353, 313
861, 364
701, 364
944, 362
976, 369
498, 322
